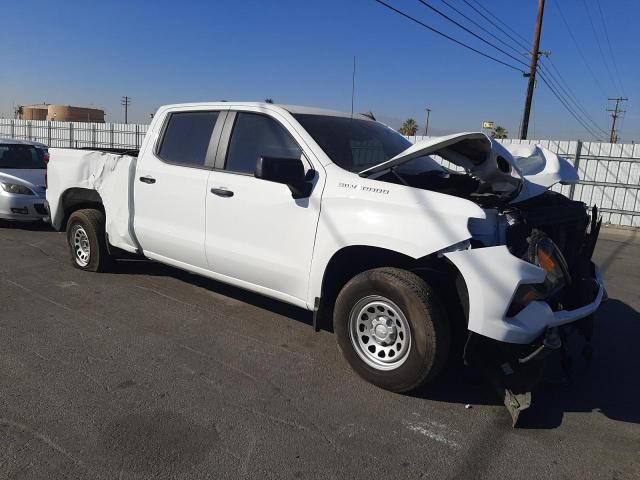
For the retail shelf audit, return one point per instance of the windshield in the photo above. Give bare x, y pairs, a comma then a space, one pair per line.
20, 157
351, 143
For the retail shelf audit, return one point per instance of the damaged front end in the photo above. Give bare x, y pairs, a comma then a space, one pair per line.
527, 295
527, 270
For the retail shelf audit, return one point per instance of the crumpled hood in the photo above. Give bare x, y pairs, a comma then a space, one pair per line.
516, 171
32, 178
541, 169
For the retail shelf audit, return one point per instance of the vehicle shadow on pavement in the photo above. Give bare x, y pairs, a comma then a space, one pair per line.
608, 384
28, 226
145, 267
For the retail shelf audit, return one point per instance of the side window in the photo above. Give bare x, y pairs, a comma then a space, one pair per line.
186, 138
257, 136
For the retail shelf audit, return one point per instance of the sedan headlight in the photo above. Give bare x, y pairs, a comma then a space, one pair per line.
546, 255
16, 188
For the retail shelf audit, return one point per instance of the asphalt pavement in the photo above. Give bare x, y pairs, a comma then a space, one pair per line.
150, 372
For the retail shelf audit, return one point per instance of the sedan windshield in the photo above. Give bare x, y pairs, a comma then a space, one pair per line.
20, 157
353, 144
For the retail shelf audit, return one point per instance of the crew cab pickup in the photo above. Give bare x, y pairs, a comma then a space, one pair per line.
339, 214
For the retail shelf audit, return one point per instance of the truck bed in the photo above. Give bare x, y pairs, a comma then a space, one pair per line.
73, 172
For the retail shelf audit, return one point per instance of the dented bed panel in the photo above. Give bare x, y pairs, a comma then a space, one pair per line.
108, 174
492, 276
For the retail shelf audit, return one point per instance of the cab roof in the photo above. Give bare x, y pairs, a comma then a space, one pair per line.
292, 109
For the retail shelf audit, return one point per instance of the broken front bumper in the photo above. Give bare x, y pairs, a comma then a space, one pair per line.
492, 275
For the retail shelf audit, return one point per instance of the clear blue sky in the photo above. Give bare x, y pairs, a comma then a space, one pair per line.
301, 52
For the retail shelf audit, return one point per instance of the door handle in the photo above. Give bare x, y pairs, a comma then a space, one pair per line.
222, 192
147, 179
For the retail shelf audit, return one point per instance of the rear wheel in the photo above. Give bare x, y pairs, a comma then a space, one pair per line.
392, 329
86, 239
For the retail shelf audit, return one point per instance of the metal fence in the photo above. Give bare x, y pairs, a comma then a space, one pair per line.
75, 134
609, 176
609, 173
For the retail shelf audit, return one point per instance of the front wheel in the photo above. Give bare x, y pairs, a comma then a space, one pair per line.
392, 329
86, 239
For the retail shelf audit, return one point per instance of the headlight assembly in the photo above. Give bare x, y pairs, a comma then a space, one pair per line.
16, 188
546, 255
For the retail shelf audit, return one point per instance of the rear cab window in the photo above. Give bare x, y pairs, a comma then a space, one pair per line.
186, 138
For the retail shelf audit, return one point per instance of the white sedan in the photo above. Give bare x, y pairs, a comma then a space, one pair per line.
23, 166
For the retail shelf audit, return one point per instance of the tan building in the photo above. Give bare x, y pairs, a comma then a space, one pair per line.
62, 113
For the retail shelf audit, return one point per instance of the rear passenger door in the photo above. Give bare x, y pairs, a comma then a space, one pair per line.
171, 187
257, 234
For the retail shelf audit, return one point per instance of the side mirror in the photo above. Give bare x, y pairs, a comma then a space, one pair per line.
289, 171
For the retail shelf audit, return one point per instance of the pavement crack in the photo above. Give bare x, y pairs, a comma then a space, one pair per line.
42, 437
37, 295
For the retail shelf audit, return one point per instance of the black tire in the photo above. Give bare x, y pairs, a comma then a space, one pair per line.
429, 327
92, 222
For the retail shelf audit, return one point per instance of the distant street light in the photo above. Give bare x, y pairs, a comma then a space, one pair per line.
426, 124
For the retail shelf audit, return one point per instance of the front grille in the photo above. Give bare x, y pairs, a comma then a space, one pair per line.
565, 221
40, 208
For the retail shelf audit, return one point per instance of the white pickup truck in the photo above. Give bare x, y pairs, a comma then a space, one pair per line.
339, 214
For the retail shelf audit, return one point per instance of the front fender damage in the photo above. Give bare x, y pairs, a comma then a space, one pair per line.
510, 351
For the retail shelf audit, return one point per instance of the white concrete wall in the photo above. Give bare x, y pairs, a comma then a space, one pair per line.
609, 173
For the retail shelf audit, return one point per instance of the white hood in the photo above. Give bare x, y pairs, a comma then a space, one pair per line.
519, 171
541, 169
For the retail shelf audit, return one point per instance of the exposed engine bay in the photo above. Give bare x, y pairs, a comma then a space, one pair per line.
494, 174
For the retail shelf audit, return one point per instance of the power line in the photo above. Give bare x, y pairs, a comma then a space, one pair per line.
546, 77
468, 47
577, 45
520, 43
471, 32
566, 89
595, 35
571, 98
612, 56
478, 25
568, 108
501, 21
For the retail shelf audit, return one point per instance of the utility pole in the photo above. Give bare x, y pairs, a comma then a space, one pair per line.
615, 113
426, 125
126, 101
532, 71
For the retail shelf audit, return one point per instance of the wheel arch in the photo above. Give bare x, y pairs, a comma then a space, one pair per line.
439, 272
74, 199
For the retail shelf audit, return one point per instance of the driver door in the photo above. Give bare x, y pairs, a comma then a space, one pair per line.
257, 233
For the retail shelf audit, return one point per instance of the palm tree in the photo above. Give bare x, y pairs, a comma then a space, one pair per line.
499, 132
19, 111
409, 127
